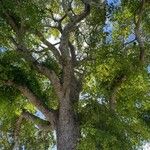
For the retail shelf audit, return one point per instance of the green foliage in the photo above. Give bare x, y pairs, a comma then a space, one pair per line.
36, 139
108, 131
52, 64
22, 73
111, 58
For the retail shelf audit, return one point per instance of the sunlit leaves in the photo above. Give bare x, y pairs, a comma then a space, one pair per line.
34, 138
112, 55
102, 126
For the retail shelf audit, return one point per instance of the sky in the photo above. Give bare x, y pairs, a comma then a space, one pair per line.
146, 147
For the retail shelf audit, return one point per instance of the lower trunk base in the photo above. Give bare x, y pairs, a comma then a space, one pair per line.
67, 133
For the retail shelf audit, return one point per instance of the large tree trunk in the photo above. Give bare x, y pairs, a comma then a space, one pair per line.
68, 132
67, 127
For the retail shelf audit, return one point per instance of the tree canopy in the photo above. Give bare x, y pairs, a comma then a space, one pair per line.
83, 65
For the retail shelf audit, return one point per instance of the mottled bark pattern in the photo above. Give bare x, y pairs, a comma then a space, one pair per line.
67, 126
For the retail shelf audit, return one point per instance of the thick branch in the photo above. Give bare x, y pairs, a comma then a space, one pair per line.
114, 89
51, 75
69, 28
17, 132
42, 124
11, 22
65, 45
49, 114
72, 50
138, 33
50, 46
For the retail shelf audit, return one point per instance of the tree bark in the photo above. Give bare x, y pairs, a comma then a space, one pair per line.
67, 130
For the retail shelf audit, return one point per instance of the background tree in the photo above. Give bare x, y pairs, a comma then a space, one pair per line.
90, 84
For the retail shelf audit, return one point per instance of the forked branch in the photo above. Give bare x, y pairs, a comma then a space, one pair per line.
49, 113
69, 28
49, 45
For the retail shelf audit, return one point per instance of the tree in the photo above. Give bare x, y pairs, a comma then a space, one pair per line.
91, 86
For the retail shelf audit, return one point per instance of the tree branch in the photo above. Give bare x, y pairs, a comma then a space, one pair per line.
64, 47
11, 22
51, 75
137, 31
67, 7
72, 50
117, 82
42, 124
50, 46
17, 132
52, 14
49, 113
69, 28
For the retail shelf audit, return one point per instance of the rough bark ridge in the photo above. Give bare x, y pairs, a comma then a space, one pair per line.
67, 125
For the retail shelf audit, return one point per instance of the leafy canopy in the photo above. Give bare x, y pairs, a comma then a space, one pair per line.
112, 70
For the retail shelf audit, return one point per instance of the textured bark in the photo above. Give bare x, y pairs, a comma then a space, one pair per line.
42, 124
67, 125
114, 88
138, 33
49, 113
15, 145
